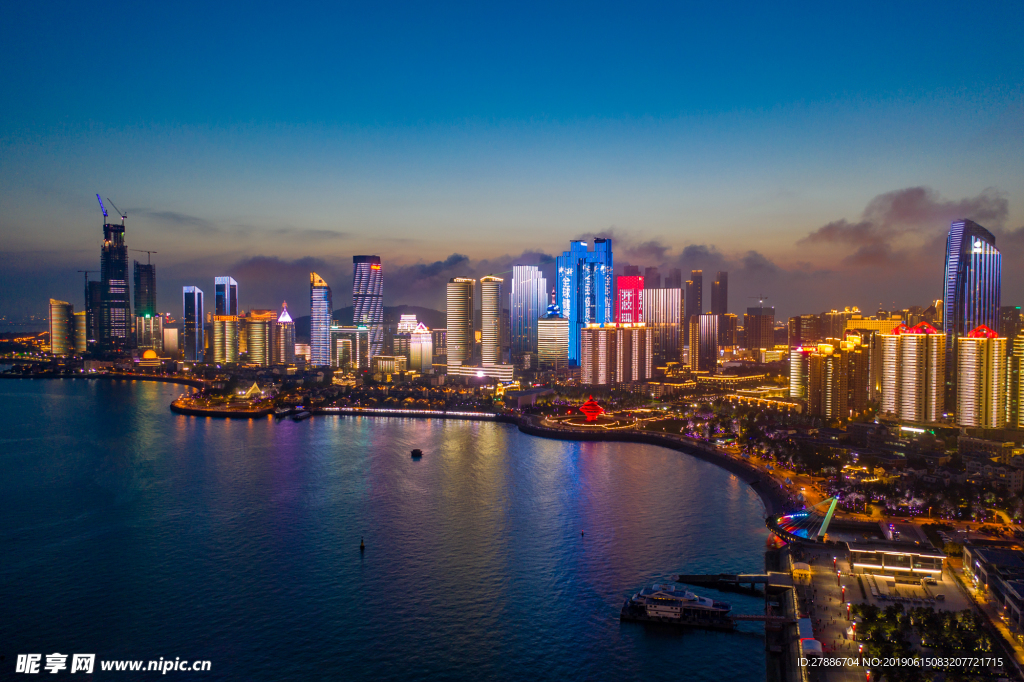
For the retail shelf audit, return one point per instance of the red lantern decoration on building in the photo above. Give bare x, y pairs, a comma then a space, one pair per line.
591, 409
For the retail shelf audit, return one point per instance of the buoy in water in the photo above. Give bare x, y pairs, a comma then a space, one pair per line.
362, 546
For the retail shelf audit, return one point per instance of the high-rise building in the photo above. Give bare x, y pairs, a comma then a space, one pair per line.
145, 289
836, 377
93, 309
799, 372
172, 348
225, 338
81, 332
1014, 383
350, 348
284, 338
553, 339
321, 309
910, 367
226, 291
368, 299
759, 327
149, 333
981, 379
115, 309
629, 302
833, 323
421, 350
652, 277
1010, 322
528, 300
805, 330
259, 333
662, 311
704, 343
407, 324
727, 332
694, 304
720, 293
460, 336
614, 354
674, 279
490, 320
585, 288
62, 328
192, 319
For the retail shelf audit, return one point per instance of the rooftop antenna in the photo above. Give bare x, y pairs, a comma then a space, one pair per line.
124, 216
102, 207
149, 258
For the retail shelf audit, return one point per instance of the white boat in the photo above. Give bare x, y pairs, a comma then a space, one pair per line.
665, 603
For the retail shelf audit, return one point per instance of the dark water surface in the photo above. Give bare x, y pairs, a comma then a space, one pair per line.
131, 532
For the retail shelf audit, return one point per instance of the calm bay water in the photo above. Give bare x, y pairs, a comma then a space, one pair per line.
134, 533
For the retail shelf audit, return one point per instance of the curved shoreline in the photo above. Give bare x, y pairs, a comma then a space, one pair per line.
195, 383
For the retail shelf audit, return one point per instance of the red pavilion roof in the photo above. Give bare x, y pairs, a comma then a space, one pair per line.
982, 332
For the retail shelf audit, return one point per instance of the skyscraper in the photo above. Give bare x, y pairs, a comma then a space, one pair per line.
225, 338
835, 375
704, 343
614, 354
193, 342
460, 336
62, 328
368, 299
674, 279
662, 310
1010, 322
81, 332
421, 350
805, 330
93, 309
585, 288
720, 293
981, 379
759, 327
490, 320
1014, 385
149, 333
284, 338
629, 302
553, 339
911, 368
115, 308
321, 308
528, 300
227, 296
145, 289
652, 277
259, 330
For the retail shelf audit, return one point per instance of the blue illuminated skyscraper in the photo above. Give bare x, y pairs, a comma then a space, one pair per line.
193, 344
368, 299
227, 296
971, 290
321, 307
586, 289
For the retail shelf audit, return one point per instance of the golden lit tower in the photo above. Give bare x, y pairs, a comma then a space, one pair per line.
981, 379
911, 372
490, 320
460, 336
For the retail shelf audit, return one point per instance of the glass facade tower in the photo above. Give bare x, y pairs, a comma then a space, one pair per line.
490, 320
193, 342
528, 301
460, 336
114, 323
586, 288
321, 307
145, 289
227, 296
368, 299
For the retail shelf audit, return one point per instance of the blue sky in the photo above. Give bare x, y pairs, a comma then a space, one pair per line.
270, 139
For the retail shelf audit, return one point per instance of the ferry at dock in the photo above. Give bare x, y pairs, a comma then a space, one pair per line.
666, 604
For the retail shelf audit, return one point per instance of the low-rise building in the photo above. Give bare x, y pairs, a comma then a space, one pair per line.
898, 559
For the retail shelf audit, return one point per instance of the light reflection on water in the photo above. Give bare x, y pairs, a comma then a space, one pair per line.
152, 534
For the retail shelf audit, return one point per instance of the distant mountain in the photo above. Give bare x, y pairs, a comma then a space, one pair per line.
434, 319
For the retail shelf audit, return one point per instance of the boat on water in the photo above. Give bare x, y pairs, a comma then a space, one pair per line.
283, 411
417, 453
666, 604
302, 414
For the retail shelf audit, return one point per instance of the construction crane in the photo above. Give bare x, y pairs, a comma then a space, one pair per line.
760, 298
149, 258
102, 207
124, 216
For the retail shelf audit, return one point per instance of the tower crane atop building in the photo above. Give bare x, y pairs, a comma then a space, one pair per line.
102, 207
124, 216
761, 298
149, 258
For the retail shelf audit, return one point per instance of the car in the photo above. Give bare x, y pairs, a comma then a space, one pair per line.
802, 488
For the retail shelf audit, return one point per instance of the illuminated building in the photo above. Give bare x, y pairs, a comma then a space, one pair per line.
502, 373
93, 309
193, 341
799, 370
727, 332
368, 299
884, 324
553, 339
704, 343
1010, 323
615, 354
440, 343
302, 353
662, 309
350, 347
62, 328
114, 323
910, 369
629, 301
833, 323
490, 320
259, 332
149, 333
171, 346
694, 304
81, 332
585, 288
421, 350
528, 299
321, 308
1014, 385
226, 290
407, 324
225, 339
836, 377
759, 327
145, 290
460, 337
805, 330
720, 294
981, 379
389, 364
284, 338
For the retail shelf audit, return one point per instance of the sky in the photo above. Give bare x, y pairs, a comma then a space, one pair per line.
816, 153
